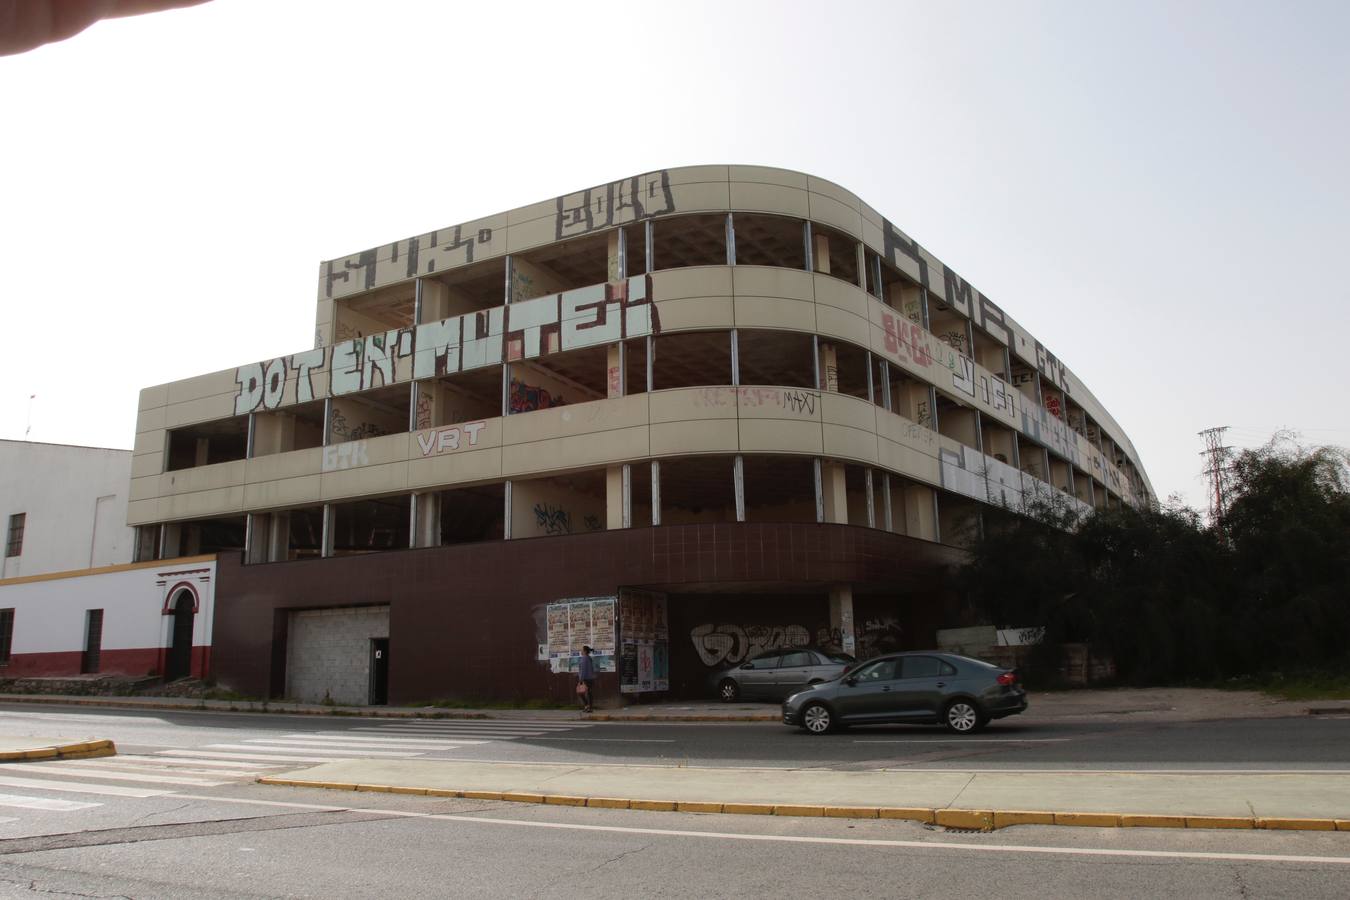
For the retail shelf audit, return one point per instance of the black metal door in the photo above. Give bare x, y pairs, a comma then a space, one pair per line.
179, 662
93, 642
379, 671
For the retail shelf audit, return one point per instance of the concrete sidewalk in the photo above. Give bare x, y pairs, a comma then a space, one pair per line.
980, 800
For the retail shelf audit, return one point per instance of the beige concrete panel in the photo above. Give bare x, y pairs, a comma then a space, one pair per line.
692, 404
873, 236
544, 209
455, 468
907, 461
833, 213
202, 478
771, 281
144, 487
772, 402
696, 281
899, 430
154, 396
374, 451
829, 189
841, 442
151, 419
147, 464
845, 326
701, 197
594, 418
143, 512
389, 478
841, 409
781, 436
696, 313
533, 233
148, 442
200, 386
697, 174
575, 452
767, 175
870, 216
206, 409
197, 505
769, 198
687, 438
775, 313
283, 493
836, 292
292, 464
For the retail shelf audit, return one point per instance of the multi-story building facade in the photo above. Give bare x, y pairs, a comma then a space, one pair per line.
682, 417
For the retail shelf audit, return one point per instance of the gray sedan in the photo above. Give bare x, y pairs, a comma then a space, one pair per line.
924, 687
774, 675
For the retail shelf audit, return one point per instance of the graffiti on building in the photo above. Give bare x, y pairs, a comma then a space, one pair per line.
877, 635
348, 455
528, 397
450, 438
628, 200
725, 643
552, 519
424, 406
800, 402
591, 522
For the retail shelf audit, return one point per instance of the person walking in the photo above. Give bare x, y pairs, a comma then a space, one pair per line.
585, 679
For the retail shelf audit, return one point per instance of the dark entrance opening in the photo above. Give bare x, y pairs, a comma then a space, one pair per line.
93, 642
379, 671
179, 661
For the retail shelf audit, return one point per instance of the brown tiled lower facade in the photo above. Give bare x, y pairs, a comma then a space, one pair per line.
464, 620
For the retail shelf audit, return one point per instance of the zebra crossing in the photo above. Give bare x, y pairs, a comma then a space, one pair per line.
77, 785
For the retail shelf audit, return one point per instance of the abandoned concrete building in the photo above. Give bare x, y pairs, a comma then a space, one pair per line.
683, 417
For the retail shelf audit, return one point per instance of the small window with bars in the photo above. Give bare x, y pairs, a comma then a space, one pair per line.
14, 543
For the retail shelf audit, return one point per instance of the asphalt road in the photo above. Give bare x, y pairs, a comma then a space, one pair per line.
176, 813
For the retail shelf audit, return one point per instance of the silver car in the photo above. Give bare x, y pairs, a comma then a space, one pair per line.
778, 673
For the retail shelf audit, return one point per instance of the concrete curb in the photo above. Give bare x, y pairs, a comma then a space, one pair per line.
965, 819
78, 750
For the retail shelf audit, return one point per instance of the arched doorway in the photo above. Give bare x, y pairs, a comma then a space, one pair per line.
179, 661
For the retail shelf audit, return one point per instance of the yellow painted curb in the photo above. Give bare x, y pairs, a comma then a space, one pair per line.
420, 792
851, 812
755, 809
1136, 821
654, 805
1220, 822
564, 800
481, 795
375, 788
1343, 824
784, 810
1286, 824
983, 819
522, 797
912, 813
78, 750
1004, 818
697, 806
444, 792
1088, 820
607, 802
44, 753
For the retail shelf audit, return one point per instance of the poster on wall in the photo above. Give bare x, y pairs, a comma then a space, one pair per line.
577, 622
644, 636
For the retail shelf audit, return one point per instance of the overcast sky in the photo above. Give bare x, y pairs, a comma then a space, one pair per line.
1160, 192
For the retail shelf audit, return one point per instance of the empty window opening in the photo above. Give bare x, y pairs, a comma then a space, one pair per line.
682, 241
14, 538
371, 414
909, 396
779, 489
1032, 457
201, 536
208, 443
635, 251
93, 641
698, 489
1023, 377
563, 504
635, 366
691, 359
555, 268
948, 326
472, 514
640, 494
990, 354
843, 369
371, 526
466, 289
769, 241
834, 253
374, 312
956, 421
559, 379
781, 358
298, 427
462, 397
998, 441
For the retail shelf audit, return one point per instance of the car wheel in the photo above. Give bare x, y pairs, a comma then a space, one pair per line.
817, 718
729, 691
963, 717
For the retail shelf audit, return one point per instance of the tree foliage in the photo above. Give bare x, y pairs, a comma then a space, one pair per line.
1172, 598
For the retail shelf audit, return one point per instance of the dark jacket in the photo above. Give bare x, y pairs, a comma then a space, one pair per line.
586, 668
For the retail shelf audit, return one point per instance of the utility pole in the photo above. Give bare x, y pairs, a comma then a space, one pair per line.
1216, 458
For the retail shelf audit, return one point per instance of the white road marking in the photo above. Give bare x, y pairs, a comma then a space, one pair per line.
66, 770
188, 767
335, 754
611, 740
46, 803
801, 839
450, 734
263, 757
79, 788
345, 738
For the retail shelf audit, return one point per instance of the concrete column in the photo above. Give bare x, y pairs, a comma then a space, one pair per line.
829, 367
171, 541
871, 502
616, 504
841, 616
618, 495
329, 524
256, 537
201, 452
273, 433
279, 537
614, 248
656, 492
920, 512
887, 519
820, 252
738, 486
834, 492
614, 361
426, 519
